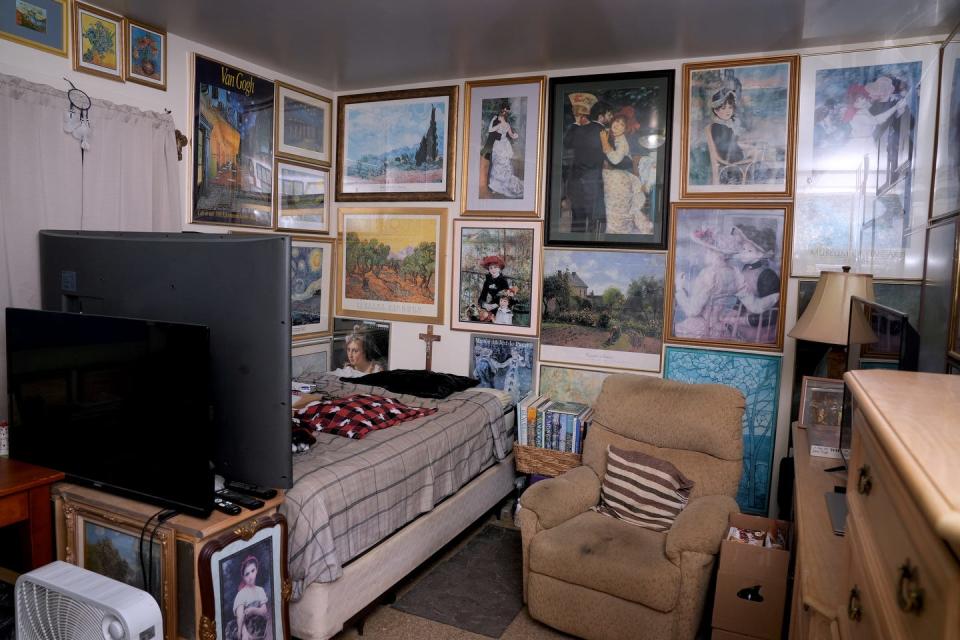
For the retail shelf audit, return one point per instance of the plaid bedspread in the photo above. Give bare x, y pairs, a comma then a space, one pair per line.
348, 494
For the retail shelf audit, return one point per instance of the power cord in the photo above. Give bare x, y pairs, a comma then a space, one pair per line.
163, 517
143, 532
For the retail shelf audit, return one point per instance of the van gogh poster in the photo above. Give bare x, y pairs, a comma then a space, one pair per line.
232, 146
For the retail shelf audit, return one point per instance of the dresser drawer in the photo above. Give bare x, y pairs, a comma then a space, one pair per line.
862, 618
14, 508
915, 577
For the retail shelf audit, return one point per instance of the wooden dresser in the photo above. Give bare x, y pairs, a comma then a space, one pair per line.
903, 493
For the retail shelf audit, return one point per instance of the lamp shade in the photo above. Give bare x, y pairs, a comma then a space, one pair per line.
827, 317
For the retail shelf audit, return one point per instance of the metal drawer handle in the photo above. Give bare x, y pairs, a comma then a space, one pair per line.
864, 482
854, 610
909, 594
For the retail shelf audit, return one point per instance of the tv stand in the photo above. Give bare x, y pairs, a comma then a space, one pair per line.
183, 537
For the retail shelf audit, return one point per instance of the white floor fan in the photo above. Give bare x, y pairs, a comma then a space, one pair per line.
62, 602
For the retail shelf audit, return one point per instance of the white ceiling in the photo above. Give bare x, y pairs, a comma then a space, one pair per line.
347, 45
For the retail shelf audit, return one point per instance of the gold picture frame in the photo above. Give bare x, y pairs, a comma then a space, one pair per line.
292, 210
91, 57
142, 37
738, 161
309, 129
28, 28
521, 134
367, 239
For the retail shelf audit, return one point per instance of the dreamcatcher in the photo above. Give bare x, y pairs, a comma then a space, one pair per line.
76, 120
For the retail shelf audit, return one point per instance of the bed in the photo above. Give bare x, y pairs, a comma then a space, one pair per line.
362, 514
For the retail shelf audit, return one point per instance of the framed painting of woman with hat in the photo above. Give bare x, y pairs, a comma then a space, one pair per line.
738, 128
496, 276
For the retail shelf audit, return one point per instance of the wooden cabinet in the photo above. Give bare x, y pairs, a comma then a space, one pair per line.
82, 511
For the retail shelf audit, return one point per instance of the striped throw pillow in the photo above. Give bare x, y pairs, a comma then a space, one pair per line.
642, 490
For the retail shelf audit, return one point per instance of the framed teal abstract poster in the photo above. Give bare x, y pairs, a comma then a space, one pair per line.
758, 378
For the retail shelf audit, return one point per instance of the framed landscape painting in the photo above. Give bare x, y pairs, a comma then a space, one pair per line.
232, 146
146, 55
508, 364
603, 308
41, 24
311, 283
496, 276
570, 384
501, 147
396, 145
304, 124
608, 164
310, 358
727, 276
302, 200
738, 128
391, 264
946, 180
98, 42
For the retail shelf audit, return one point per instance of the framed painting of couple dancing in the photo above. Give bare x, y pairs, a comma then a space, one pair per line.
505, 363
727, 275
608, 182
501, 147
738, 128
496, 276
863, 191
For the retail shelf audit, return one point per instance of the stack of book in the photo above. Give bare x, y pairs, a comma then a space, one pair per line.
552, 424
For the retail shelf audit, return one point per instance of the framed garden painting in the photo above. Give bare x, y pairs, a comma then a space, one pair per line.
571, 384
145, 61
727, 275
496, 276
608, 164
603, 307
310, 358
244, 588
311, 285
232, 146
946, 178
863, 187
98, 42
391, 264
738, 128
304, 126
41, 24
503, 121
505, 363
758, 379
396, 145
302, 201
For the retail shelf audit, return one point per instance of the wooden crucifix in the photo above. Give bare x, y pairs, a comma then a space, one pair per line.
429, 337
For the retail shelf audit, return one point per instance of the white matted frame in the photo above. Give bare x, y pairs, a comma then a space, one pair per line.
301, 200
946, 179
502, 148
312, 263
310, 357
304, 124
821, 402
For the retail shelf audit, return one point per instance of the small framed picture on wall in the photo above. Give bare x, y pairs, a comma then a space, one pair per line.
302, 200
146, 58
98, 42
303, 125
41, 24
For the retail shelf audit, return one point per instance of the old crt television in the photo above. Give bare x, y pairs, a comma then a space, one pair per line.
236, 284
116, 403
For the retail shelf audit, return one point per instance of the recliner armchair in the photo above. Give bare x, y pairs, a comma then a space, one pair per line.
601, 578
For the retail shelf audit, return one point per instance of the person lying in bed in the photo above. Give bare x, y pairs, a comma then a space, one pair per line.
362, 355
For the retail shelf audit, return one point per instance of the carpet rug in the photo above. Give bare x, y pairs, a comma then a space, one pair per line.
478, 589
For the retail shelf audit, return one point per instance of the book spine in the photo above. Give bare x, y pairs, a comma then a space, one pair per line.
541, 427
521, 418
568, 433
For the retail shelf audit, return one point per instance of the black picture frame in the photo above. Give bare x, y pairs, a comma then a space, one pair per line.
645, 100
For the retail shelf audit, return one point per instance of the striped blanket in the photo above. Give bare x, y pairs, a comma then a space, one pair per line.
348, 495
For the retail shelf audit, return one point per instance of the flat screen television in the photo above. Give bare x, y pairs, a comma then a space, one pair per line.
116, 403
236, 284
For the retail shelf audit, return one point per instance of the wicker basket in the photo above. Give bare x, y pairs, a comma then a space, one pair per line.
545, 462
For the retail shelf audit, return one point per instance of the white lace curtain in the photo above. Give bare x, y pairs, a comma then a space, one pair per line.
127, 181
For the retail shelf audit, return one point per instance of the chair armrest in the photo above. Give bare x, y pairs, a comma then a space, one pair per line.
558, 499
700, 526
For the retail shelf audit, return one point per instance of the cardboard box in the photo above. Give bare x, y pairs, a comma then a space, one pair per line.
752, 582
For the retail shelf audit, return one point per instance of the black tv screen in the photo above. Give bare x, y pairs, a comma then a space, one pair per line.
236, 284
116, 403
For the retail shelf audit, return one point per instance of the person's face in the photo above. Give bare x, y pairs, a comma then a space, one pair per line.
861, 102
605, 117
725, 111
250, 574
618, 126
504, 303
494, 270
355, 354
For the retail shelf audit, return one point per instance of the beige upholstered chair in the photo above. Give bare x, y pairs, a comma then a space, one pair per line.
601, 578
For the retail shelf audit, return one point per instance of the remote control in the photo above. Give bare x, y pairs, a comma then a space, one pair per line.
226, 507
250, 489
240, 499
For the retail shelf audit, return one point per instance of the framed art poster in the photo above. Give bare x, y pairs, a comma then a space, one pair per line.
496, 276
145, 61
863, 187
302, 200
41, 24
396, 145
232, 146
244, 589
738, 128
359, 347
304, 124
310, 358
501, 147
311, 286
98, 42
572, 384
946, 179
391, 264
505, 363
758, 379
603, 308
727, 275
609, 159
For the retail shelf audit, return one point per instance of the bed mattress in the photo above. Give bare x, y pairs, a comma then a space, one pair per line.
348, 495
